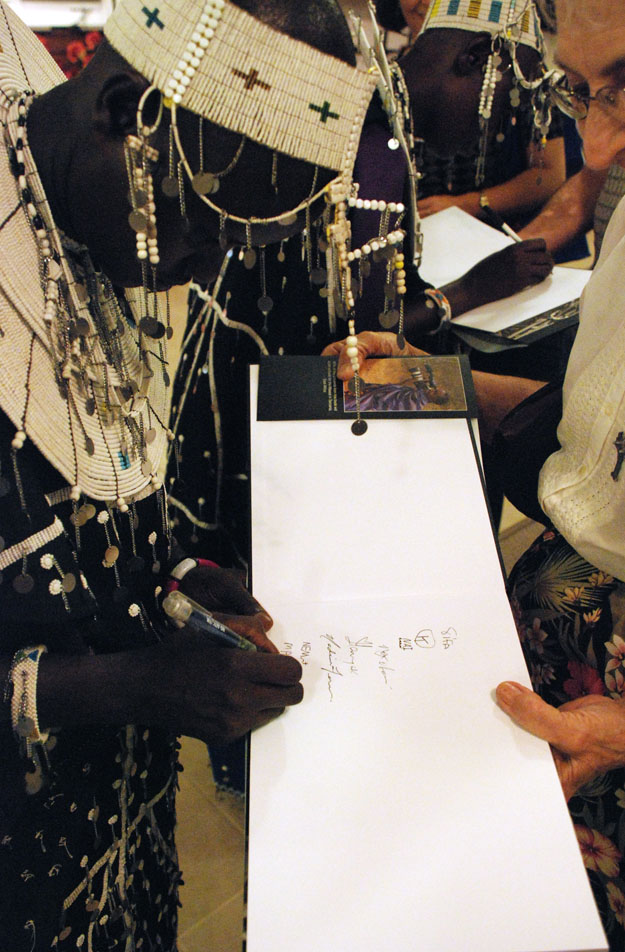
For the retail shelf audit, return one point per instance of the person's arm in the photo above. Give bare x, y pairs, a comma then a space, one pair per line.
569, 211
587, 735
184, 683
524, 192
498, 276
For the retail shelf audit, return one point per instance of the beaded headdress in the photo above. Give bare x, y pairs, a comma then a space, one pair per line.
514, 19
510, 23
226, 66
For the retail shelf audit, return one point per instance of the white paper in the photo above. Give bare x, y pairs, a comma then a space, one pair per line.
397, 809
454, 241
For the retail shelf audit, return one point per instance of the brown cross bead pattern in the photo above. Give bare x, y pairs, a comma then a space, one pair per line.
251, 79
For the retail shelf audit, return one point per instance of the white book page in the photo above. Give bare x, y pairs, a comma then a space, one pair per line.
454, 241
397, 808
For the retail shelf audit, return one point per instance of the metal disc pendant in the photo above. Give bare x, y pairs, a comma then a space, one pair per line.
150, 435
318, 276
146, 467
202, 183
265, 304
24, 584
401, 341
90, 406
152, 327
138, 221
169, 333
324, 292
135, 564
169, 187
88, 510
288, 220
249, 258
166, 378
5, 486
281, 257
89, 446
69, 582
111, 555
82, 327
388, 318
81, 293
359, 427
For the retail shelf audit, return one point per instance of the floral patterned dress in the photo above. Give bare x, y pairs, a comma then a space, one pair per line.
571, 622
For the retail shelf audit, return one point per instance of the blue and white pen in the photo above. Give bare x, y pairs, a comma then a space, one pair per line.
182, 610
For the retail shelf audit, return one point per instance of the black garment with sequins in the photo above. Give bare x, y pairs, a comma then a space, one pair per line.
87, 854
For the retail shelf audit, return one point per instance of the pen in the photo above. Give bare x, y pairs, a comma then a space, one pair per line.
184, 611
509, 232
497, 222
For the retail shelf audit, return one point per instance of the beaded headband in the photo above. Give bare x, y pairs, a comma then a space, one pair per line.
514, 20
220, 62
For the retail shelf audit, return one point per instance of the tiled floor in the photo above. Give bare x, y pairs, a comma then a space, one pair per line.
211, 828
211, 846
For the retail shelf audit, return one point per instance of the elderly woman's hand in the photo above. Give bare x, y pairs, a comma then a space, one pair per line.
587, 735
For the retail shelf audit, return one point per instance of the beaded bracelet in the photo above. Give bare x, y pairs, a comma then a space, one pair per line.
22, 676
436, 299
180, 570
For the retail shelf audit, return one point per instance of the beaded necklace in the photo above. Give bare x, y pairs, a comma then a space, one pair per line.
114, 386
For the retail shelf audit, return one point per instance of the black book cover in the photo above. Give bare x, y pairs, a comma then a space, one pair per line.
307, 388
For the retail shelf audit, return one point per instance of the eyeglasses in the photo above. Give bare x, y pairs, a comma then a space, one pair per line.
574, 101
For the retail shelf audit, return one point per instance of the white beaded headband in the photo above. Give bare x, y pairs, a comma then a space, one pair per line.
513, 20
223, 64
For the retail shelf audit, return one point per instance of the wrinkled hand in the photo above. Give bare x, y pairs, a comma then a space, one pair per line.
222, 591
436, 203
587, 735
510, 270
370, 344
217, 694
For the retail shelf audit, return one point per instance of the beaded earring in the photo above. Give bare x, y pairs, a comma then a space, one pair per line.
492, 75
140, 158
